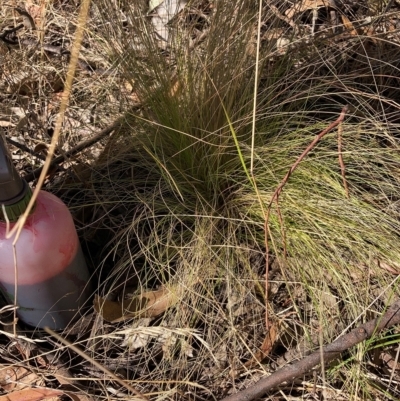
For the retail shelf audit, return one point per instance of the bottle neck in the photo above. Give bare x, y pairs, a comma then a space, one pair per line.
12, 212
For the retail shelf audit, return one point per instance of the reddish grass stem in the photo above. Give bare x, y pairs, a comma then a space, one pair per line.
341, 162
275, 197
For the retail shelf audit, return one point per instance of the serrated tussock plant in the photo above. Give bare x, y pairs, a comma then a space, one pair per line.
194, 217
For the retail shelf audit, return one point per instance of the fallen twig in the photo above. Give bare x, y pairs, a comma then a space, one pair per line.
6, 32
27, 18
275, 197
78, 148
328, 353
25, 148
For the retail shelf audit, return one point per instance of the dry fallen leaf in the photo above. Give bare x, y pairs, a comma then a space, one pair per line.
18, 378
31, 394
348, 25
391, 267
302, 6
148, 304
109, 310
266, 347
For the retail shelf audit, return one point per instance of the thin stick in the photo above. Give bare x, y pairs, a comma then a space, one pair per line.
95, 363
7, 32
329, 353
279, 189
25, 148
78, 148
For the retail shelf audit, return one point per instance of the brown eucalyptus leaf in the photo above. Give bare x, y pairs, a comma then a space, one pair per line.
31, 394
148, 304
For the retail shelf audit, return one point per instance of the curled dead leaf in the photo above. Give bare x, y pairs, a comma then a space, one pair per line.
148, 304
266, 347
391, 267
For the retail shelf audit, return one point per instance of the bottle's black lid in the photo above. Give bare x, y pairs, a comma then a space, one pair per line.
14, 191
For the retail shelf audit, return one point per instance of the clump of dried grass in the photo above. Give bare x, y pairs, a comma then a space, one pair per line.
192, 220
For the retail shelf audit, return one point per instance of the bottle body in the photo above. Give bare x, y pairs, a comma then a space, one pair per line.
52, 277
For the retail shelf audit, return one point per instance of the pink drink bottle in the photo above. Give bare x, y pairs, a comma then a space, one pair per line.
52, 276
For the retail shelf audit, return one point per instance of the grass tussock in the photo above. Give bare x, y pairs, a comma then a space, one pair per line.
187, 215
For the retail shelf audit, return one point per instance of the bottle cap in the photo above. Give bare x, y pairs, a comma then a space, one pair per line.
15, 193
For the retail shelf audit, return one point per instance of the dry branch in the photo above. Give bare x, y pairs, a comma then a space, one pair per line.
25, 148
329, 353
78, 148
